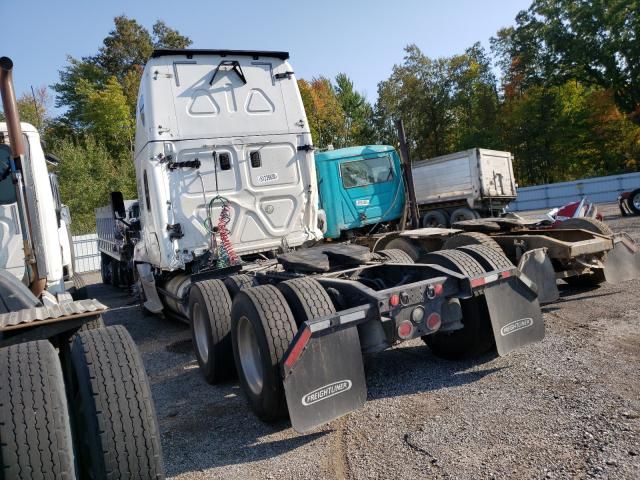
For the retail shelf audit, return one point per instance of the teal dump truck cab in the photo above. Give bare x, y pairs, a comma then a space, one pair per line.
359, 187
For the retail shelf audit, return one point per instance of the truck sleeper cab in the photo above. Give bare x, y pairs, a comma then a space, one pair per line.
221, 128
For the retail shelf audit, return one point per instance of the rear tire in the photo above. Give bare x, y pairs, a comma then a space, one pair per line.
307, 299
79, 289
435, 218
470, 238
210, 319
117, 429
235, 283
105, 268
461, 214
476, 336
586, 223
407, 246
394, 255
262, 328
489, 258
35, 431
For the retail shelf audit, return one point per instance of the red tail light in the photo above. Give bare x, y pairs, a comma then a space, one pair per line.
405, 329
434, 321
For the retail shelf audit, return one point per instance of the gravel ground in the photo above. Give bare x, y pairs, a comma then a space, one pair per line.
568, 407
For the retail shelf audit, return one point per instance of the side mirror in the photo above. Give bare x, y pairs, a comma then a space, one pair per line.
52, 159
117, 205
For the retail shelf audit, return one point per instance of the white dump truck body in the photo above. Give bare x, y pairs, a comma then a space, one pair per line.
51, 242
483, 179
238, 116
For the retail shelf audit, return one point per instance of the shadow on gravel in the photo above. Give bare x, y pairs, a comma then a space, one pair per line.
410, 370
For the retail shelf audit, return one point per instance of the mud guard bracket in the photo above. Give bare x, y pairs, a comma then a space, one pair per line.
536, 266
515, 314
623, 262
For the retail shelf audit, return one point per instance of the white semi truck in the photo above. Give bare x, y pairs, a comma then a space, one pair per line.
74, 397
228, 241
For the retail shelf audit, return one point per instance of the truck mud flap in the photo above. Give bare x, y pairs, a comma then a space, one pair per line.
536, 266
153, 303
515, 313
623, 262
327, 379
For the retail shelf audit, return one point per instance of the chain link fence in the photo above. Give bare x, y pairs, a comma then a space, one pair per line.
87, 256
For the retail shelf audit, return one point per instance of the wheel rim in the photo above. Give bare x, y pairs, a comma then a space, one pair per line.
636, 201
249, 354
200, 332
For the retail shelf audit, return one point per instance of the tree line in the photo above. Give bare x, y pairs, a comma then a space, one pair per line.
560, 89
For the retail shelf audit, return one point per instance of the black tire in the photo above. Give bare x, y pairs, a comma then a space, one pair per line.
210, 319
470, 238
406, 245
263, 312
115, 272
116, 426
476, 337
586, 223
488, 257
79, 289
587, 279
461, 214
634, 199
307, 299
35, 431
435, 218
235, 283
94, 324
394, 255
105, 268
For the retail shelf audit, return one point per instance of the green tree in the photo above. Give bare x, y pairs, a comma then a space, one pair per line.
88, 173
124, 52
593, 41
324, 112
358, 114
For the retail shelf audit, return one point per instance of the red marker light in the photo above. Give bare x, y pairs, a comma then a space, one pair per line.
434, 321
438, 289
394, 300
405, 329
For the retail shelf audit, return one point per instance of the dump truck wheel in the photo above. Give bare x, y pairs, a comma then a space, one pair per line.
235, 283
460, 214
586, 223
435, 218
210, 315
395, 255
35, 431
476, 337
490, 258
407, 246
307, 299
116, 427
262, 327
470, 238
105, 268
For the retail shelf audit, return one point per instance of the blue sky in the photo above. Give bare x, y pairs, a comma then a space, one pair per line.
362, 38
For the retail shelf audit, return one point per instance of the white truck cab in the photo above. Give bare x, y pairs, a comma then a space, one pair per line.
51, 244
218, 127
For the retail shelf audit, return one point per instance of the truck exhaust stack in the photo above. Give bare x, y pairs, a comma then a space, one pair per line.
10, 107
